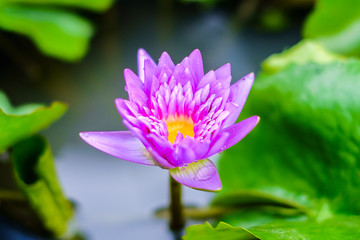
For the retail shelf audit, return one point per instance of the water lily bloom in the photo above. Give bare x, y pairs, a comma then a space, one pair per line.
178, 117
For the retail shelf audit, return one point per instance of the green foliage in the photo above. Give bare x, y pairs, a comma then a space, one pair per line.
222, 231
301, 163
56, 32
94, 5
336, 24
273, 20
306, 148
21, 122
342, 227
302, 53
36, 177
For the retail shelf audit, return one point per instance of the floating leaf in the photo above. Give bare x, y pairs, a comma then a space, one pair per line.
222, 231
255, 216
24, 121
36, 177
57, 33
340, 33
340, 227
306, 148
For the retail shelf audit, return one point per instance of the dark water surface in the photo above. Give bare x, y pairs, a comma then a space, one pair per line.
117, 199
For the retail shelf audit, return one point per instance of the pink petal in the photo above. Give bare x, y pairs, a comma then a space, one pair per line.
238, 95
165, 60
135, 87
239, 130
200, 175
209, 78
182, 155
142, 55
200, 148
224, 71
232, 135
159, 160
124, 145
151, 71
218, 144
196, 64
132, 79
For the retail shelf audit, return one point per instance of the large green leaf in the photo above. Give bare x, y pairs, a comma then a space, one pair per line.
306, 148
36, 177
95, 5
57, 33
20, 122
346, 228
340, 227
336, 24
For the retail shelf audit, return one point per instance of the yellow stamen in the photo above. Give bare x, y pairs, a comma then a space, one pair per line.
179, 124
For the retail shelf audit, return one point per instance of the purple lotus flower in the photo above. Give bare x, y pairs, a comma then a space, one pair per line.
178, 117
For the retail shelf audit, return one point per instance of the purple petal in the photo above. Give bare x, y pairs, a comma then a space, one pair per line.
132, 79
218, 144
163, 147
151, 71
138, 133
182, 155
224, 71
233, 134
134, 87
124, 145
159, 160
196, 64
121, 107
165, 60
200, 148
126, 108
141, 57
238, 95
239, 130
209, 78
200, 175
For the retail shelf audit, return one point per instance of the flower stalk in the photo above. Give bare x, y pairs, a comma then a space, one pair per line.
177, 219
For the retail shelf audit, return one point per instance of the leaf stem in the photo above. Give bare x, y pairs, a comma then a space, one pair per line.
177, 220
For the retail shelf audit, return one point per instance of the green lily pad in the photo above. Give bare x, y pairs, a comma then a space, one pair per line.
340, 227
305, 149
222, 231
36, 177
20, 122
56, 33
340, 33
255, 216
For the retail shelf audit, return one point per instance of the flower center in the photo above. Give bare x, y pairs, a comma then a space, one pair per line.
179, 124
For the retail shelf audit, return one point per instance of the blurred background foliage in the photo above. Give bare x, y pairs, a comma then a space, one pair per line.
54, 29
296, 176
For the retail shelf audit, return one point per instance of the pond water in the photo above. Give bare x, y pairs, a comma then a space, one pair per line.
116, 199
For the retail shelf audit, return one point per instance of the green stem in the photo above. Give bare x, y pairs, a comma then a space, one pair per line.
177, 220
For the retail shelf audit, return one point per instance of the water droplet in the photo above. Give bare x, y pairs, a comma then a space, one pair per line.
205, 173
